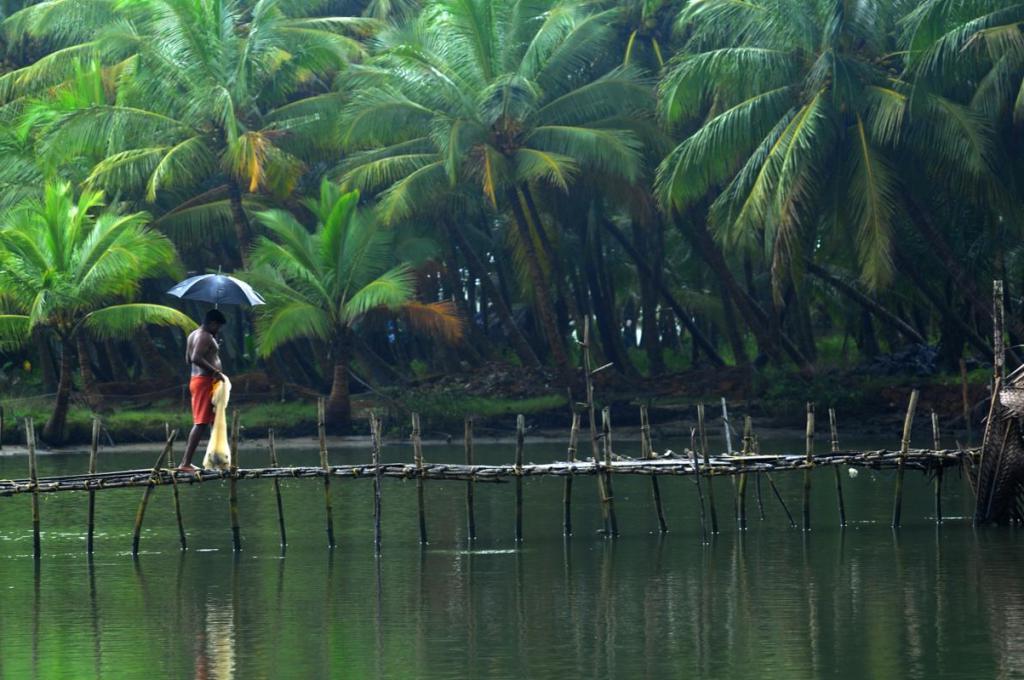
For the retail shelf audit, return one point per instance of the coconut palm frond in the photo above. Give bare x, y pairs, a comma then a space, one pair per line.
391, 290
15, 331
612, 151
873, 191
283, 321
123, 321
737, 73
709, 156
440, 320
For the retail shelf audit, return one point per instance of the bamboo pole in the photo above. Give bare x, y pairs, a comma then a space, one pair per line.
236, 535
908, 423
993, 403
809, 465
417, 456
702, 431
520, 437
33, 474
834, 429
647, 452
725, 424
375, 433
140, 514
467, 440
94, 445
606, 427
741, 482
321, 426
588, 375
999, 363
176, 499
782, 502
757, 479
182, 536
936, 442
995, 473
965, 398
700, 489
574, 433
272, 444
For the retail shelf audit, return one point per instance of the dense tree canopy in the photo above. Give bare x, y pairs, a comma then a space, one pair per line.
711, 182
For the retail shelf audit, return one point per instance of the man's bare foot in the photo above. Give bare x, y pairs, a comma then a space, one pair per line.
188, 468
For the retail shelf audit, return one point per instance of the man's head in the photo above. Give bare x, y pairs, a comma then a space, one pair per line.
214, 320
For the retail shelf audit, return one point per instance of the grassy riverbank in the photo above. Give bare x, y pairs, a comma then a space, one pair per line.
773, 399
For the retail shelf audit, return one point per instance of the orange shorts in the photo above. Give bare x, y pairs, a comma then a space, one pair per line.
201, 387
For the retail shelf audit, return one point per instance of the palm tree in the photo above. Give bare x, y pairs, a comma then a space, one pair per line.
970, 50
216, 98
320, 285
793, 96
502, 96
803, 125
69, 268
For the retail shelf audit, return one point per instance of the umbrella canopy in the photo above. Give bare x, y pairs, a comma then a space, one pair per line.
218, 289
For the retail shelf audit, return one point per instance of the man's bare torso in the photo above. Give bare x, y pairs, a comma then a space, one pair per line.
202, 344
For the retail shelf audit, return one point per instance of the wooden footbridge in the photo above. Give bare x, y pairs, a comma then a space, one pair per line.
695, 462
603, 464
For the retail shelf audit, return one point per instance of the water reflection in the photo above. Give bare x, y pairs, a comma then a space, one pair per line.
792, 606
36, 609
215, 644
769, 602
94, 615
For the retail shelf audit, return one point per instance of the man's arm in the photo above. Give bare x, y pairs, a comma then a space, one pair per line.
200, 350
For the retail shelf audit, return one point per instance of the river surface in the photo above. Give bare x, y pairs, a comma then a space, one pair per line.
771, 602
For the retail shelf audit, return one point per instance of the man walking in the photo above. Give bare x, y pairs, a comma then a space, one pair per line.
202, 353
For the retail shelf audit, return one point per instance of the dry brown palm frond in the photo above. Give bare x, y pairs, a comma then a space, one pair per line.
440, 320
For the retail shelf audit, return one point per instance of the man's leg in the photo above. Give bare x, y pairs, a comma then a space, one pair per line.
194, 437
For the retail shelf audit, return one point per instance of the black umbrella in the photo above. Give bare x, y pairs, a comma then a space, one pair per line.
219, 289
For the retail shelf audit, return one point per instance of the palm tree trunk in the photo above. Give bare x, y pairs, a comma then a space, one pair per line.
962, 280
648, 303
867, 340
45, 348
541, 293
455, 292
604, 316
55, 430
243, 233
732, 331
479, 271
756, 319
153, 361
339, 405
92, 393
605, 307
556, 262
949, 314
699, 339
880, 312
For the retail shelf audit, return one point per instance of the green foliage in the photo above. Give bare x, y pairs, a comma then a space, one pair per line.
319, 285
492, 95
419, 368
496, 142
800, 115
449, 408
208, 90
66, 265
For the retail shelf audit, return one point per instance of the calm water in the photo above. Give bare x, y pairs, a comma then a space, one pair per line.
771, 603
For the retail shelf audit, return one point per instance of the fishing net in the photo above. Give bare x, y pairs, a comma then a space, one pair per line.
999, 478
